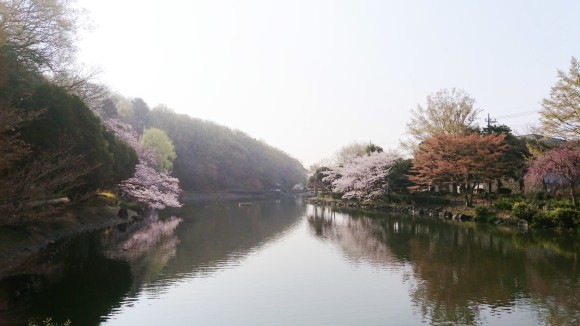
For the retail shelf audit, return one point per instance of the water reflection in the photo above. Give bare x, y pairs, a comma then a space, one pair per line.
465, 273
89, 278
360, 239
265, 263
147, 247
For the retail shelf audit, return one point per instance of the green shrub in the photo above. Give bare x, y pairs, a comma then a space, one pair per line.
554, 204
541, 195
504, 204
504, 191
523, 211
545, 219
337, 195
427, 199
566, 217
483, 211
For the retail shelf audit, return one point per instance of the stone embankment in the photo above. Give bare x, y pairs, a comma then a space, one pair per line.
436, 212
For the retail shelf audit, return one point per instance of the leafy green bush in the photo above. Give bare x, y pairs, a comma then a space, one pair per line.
566, 217
505, 204
483, 211
504, 191
523, 211
554, 204
337, 195
541, 195
545, 219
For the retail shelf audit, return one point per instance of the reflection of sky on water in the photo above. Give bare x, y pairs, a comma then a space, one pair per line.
288, 263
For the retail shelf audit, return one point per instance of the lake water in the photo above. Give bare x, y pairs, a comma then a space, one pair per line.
288, 263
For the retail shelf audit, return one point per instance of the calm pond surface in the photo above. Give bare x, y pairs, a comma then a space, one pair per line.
288, 263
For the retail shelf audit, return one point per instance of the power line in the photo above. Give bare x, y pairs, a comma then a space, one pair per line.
516, 115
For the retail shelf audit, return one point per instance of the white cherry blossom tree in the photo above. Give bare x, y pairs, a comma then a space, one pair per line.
148, 186
362, 177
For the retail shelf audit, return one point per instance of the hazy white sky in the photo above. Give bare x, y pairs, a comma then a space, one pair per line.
311, 76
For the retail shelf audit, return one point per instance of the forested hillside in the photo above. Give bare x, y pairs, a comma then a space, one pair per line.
211, 157
61, 135
51, 144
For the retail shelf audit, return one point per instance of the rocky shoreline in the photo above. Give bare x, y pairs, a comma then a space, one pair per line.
435, 212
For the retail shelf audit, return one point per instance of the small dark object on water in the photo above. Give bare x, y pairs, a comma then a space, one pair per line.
245, 204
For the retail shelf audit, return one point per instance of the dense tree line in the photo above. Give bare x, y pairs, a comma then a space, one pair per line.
211, 157
451, 152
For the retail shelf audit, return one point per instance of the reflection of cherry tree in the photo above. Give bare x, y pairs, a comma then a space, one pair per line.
146, 238
147, 246
362, 176
359, 239
148, 185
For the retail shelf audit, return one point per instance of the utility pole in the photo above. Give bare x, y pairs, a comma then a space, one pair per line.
489, 121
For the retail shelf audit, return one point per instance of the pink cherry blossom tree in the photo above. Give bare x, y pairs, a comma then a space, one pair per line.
149, 186
362, 177
561, 164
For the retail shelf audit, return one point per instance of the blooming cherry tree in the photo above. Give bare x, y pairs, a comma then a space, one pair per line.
362, 176
148, 185
561, 164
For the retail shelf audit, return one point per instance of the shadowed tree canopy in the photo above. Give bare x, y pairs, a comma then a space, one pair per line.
67, 117
51, 145
140, 115
560, 113
61, 118
446, 112
516, 154
372, 148
316, 180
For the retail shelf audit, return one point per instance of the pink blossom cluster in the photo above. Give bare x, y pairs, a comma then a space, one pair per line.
561, 164
148, 186
126, 133
362, 177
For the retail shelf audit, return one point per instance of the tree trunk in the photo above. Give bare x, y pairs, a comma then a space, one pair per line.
573, 195
468, 195
469, 199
